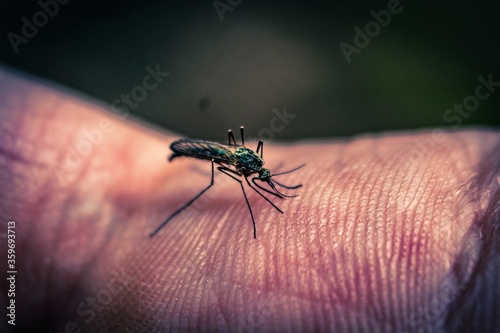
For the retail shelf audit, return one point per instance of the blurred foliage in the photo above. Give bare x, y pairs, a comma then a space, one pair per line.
266, 56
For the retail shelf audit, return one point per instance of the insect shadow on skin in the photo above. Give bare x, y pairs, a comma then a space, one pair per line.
233, 160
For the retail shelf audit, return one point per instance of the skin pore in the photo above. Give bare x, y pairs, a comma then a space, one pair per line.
390, 232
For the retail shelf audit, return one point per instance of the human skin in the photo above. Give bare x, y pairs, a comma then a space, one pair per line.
394, 232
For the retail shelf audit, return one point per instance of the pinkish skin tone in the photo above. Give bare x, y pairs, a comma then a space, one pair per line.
384, 236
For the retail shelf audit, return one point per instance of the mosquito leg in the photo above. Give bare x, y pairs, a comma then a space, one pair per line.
242, 131
230, 137
185, 205
260, 146
227, 171
262, 195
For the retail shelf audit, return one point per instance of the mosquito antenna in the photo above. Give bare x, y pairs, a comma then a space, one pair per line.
288, 171
286, 186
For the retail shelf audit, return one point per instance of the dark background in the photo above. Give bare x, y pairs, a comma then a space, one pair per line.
269, 55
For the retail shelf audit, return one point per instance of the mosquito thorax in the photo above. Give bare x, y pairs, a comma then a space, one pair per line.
247, 160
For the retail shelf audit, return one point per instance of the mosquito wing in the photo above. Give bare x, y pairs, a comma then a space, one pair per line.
201, 149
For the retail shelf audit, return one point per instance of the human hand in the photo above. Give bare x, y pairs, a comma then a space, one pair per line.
385, 235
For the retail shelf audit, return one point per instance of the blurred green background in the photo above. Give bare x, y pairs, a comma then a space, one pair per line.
236, 63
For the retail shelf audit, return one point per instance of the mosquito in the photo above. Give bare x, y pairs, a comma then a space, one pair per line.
235, 161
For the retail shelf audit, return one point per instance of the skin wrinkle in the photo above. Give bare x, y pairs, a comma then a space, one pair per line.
330, 274
40, 203
396, 294
201, 298
401, 295
422, 219
390, 249
410, 248
225, 284
192, 295
339, 289
179, 299
421, 241
448, 249
350, 270
403, 223
366, 294
407, 231
45, 157
419, 281
395, 267
223, 314
461, 168
161, 279
461, 313
373, 306
446, 202
469, 156
313, 249
367, 250
217, 307
454, 196
380, 275
307, 248
381, 202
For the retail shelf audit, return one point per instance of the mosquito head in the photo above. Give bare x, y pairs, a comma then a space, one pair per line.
265, 176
